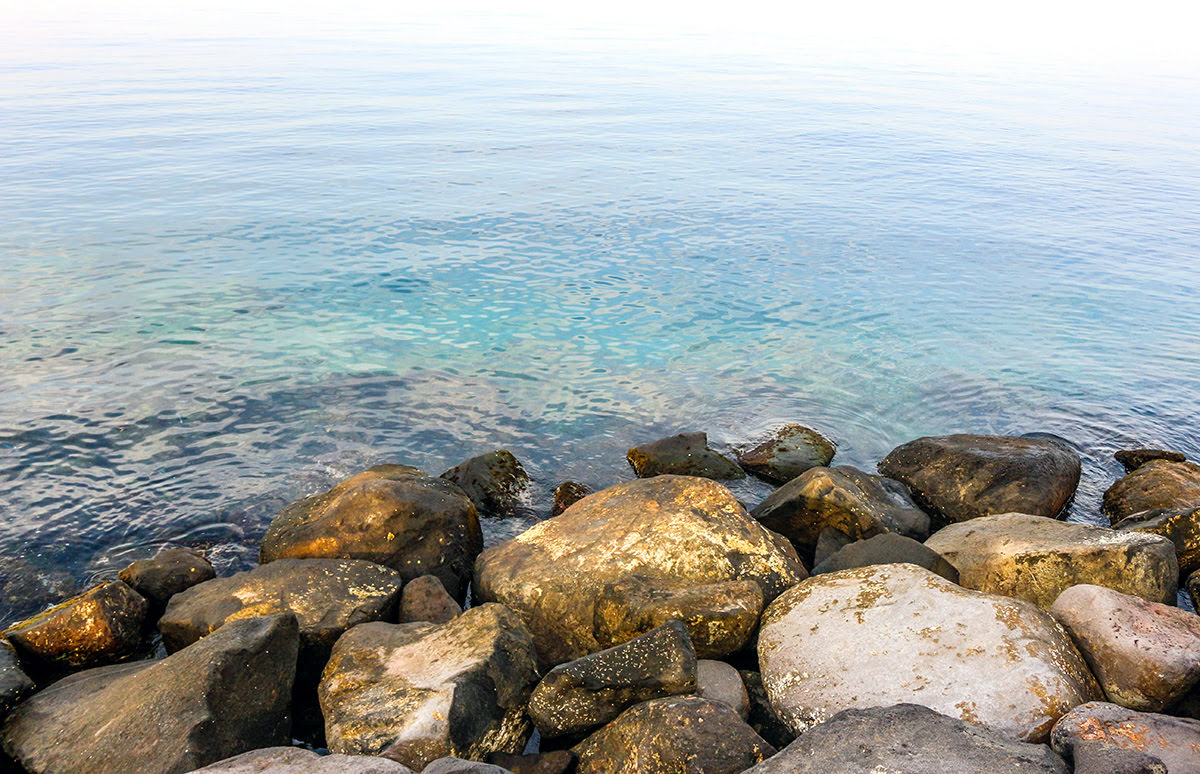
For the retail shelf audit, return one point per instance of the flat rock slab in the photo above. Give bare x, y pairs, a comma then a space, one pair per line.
15, 685
494, 482
1174, 741
417, 692
1179, 525
167, 573
856, 504
792, 450
426, 599
961, 477
888, 548
686, 454
1036, 559
1145, 655
392, 515
679, 527
227, 694
897, 633
296, 760
1133, 459
679, 734
1155, 484
907, 739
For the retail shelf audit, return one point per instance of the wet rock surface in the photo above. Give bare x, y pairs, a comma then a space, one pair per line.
888, 548
296, 760
167, 573
1133, 459
1152, 485
567, 494
426, 599
792, 450
686, 454
1174, 741
494, 482
1179, 525
15, 685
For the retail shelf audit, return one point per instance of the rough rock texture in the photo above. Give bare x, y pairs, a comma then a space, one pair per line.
1179, 525
683, 734
1102, 758
296, 760
392, 515
567, 494
897, 633
556, 762
907, 739
426, 599
960, 477
226, 694
1145, 655
15, 685
888, 548
857, 504
1193, 587
1133, 459
493, 481
100, 626
167, 573
720, 617
1174, 741
590, 691
829, 542
689, 529
1156, 484
1036, 559
791, 451
420, 691
718, 681
452, 765
686, 454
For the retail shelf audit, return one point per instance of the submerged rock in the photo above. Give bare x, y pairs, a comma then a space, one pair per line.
567, 494
297, 760
961, 477
392, 515
686, 454
15, 685
688, 529
167, 573
888, 548
1179, 525
1036, 559
1155, 484
493, 481
791, 451
426, 599
1133, 459
1174, 741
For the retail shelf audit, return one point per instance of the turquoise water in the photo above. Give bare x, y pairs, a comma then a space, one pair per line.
236, 269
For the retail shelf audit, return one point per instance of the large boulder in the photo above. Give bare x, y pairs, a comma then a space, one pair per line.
1145, 655
1174, 741
897, 633
297, 760
960, 477
167, 573
856, 504
1036, 559
684, 734
907, 739
888, 548
227, 694
590, 691
15, 685
792, 450
416, 692
689, 529
686, 454
1155, 484
392, 515
494, 482
1179, 525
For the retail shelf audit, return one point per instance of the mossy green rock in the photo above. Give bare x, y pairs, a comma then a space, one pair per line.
1155, 484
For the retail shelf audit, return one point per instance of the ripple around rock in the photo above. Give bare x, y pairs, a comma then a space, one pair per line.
790, 451
686, 454
493, 481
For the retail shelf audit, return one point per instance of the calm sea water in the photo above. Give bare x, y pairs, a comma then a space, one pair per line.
238, 269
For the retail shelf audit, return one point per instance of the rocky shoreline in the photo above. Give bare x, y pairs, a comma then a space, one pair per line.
934, 616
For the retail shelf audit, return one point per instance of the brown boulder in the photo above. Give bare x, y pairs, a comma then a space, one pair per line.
494, 482
167, 573
1174, 741
686, 454
100, 626
1179, 525
1155, 484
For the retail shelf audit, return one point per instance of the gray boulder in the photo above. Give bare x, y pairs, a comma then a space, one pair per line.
426, 599
718, 681
1179, 525
167, 573
15, 685
1155, 484
1133, 459
494, 482
1102, 758
792, 450
452, 765
686, 454
296, 760
888, 548
1174, 741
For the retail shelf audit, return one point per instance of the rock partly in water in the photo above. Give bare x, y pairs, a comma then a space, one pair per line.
888, 548
426, 599
556, 762
1174, 741
1133, 459
1146, 655
763, 719
792, 450
897, 633
1153, 485
907, 739
679, 527
856, 504
15, 685
416, 692
684, 734
567, 494
494, 482
590, 691
1036, 559
718, 681
297, 760
720, 617
961, 477
1179, 525
100, 626
225, 695
392, 515
686, 454
167, 573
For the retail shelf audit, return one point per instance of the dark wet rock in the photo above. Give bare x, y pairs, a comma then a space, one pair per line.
1101, 758
720, 617
683, 734
392, 515
100, 626
718, 681
590, 691
1174, 741
416, 692
897, 633
426, 599
686, 454
1036, 559
791, 451
857, 504
689, 529
907, 739
567, 494
1193, 587
1133, 459
888, 548
556, 762
452, 765
1179, 525
15, 685
961, 477
1146, 655
1153, 485
762, 717
226, 694
167, 573
27, 587
494, 482
829, 542
296, 760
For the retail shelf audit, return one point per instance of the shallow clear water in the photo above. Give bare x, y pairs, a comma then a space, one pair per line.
238, 269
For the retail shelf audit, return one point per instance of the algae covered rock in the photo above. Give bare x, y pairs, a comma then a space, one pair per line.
494, 482
1174, 741
1152, 485
1179, 525
686, 454
792, 450
167, 573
